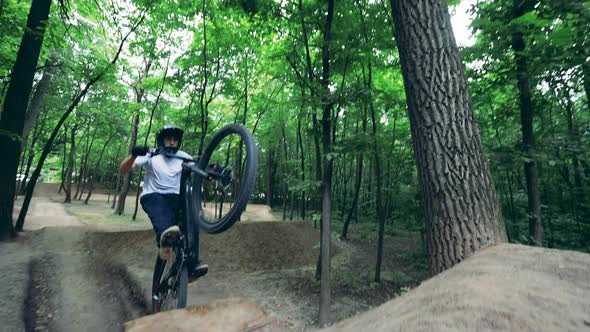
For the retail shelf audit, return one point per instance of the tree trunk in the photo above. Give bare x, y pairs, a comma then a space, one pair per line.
203, 91
31, 157
148, 135
586, 74
14, 108
461, 209
84, 167
37, 133
302, 156
63, 162
325, 242
357, 185
269, 177
38, 96
126, 178
70, 169
95, 170
526, 120
376, 157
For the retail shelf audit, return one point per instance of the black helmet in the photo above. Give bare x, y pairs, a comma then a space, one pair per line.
169, 131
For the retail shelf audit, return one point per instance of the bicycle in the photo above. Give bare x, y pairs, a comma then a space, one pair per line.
204, 183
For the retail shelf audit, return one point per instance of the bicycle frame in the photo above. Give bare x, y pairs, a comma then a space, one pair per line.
184, 249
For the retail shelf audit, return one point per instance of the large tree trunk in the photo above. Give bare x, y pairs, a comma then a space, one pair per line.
526, 120
14, 108
459, 198
325, 242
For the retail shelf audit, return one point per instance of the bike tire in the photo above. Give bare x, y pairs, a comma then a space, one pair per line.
181, 288
248, 176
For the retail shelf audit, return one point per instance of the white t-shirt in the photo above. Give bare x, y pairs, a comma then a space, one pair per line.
162, 174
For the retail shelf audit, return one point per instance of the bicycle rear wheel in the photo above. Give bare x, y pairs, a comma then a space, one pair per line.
230, 159
169, 285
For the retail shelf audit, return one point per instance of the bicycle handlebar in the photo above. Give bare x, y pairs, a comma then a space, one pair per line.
155, 152
192, 167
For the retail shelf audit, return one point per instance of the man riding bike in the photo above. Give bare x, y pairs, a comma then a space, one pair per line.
161, 188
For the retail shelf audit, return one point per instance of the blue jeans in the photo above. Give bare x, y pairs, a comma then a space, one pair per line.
161, 209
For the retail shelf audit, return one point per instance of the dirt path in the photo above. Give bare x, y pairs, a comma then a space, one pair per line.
74, 281
67, 293
64, 289
77, 267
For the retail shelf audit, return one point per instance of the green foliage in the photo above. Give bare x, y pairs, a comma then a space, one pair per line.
219, 62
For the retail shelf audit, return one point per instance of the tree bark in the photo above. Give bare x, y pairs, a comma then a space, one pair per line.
14, 108
526, 120
461, 209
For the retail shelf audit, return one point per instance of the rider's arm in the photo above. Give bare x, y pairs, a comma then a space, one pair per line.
137, 158
127, 164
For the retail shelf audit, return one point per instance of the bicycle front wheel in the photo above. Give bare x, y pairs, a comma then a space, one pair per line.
230, 159
169, 285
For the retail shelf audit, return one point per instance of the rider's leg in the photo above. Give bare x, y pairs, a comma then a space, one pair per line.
160, 209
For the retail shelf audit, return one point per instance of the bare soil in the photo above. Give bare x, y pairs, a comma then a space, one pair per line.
77, 267
506, 287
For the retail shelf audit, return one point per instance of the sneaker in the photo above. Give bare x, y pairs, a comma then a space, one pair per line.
167, 241
200, 270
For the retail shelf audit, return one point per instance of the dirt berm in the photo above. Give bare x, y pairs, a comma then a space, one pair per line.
502, 288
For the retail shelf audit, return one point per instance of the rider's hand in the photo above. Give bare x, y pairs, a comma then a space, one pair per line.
139, 150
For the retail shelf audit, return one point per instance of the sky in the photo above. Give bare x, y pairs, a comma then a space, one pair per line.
460, 22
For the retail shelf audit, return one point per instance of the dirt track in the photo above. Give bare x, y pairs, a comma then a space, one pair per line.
77, 278
69, 275
89, 271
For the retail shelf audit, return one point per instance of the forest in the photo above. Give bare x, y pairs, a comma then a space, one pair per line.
364, 111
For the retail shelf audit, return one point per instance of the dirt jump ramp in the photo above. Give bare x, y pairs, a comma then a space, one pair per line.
502, 288
233, 314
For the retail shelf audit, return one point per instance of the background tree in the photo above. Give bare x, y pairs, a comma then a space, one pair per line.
15, 105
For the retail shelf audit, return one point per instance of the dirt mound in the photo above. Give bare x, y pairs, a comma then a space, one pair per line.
245, 247
232, 314
505, 288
